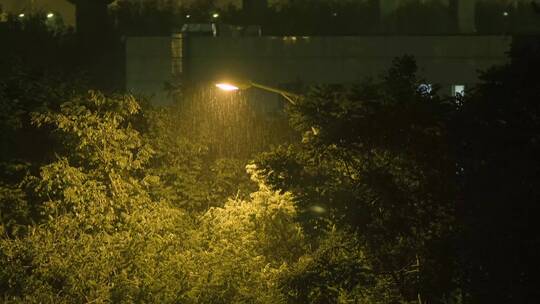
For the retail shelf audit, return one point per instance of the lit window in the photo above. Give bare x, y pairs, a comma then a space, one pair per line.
458, 90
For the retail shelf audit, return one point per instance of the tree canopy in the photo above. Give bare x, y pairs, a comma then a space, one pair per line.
392, 194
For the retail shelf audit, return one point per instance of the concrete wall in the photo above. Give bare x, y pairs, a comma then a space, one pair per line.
466, 11
148, 67
444, 60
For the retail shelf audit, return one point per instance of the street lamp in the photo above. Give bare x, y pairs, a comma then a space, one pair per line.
235, 86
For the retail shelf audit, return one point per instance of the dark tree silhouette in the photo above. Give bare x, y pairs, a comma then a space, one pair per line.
91, 16
499, 148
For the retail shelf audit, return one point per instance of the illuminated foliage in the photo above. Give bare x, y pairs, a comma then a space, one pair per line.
104, 201
191, 176
243, 247
101, 236
23, 147
105, 234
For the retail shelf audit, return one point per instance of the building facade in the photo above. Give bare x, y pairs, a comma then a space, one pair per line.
453, 62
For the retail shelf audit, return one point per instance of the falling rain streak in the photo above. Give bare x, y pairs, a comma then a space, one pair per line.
233, 124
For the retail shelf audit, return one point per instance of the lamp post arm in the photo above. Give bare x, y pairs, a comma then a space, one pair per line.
291, 97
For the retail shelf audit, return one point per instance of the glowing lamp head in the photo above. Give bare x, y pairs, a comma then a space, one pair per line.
227, 87
50, 15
